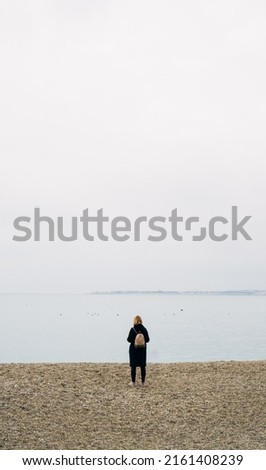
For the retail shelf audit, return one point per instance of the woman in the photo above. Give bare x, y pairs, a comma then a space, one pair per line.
137, 355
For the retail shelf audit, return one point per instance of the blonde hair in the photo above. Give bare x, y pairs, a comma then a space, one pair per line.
137, 320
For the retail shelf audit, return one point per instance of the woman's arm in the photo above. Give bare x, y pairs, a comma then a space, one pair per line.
130, 337
146, 336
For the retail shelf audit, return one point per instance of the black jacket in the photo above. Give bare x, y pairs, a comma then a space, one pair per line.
137, 356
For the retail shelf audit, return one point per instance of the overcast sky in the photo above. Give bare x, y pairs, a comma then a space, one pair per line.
136, 107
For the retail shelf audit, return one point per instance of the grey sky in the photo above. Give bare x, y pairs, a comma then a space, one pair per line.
137, 107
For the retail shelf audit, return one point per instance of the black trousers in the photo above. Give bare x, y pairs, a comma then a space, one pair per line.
133, 373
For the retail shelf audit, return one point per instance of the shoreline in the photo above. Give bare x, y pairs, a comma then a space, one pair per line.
149, 363
187, 405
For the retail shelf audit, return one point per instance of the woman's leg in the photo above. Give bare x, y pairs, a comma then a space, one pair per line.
133, 374
143, 374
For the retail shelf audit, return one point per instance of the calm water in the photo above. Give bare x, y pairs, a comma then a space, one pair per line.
94, 328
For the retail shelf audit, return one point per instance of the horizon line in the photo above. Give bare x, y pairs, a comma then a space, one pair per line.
159, 291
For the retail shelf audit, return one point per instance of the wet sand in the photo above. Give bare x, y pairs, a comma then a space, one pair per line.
215, 405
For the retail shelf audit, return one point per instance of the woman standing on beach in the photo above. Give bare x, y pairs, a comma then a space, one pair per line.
137, 354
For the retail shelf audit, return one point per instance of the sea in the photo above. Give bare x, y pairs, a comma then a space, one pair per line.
191, 327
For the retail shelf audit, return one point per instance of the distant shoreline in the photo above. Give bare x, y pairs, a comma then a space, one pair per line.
245, 292
176, 292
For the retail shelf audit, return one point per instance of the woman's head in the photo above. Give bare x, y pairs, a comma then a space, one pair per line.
137, 320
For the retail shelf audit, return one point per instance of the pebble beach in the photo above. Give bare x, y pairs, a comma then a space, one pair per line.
212, 405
